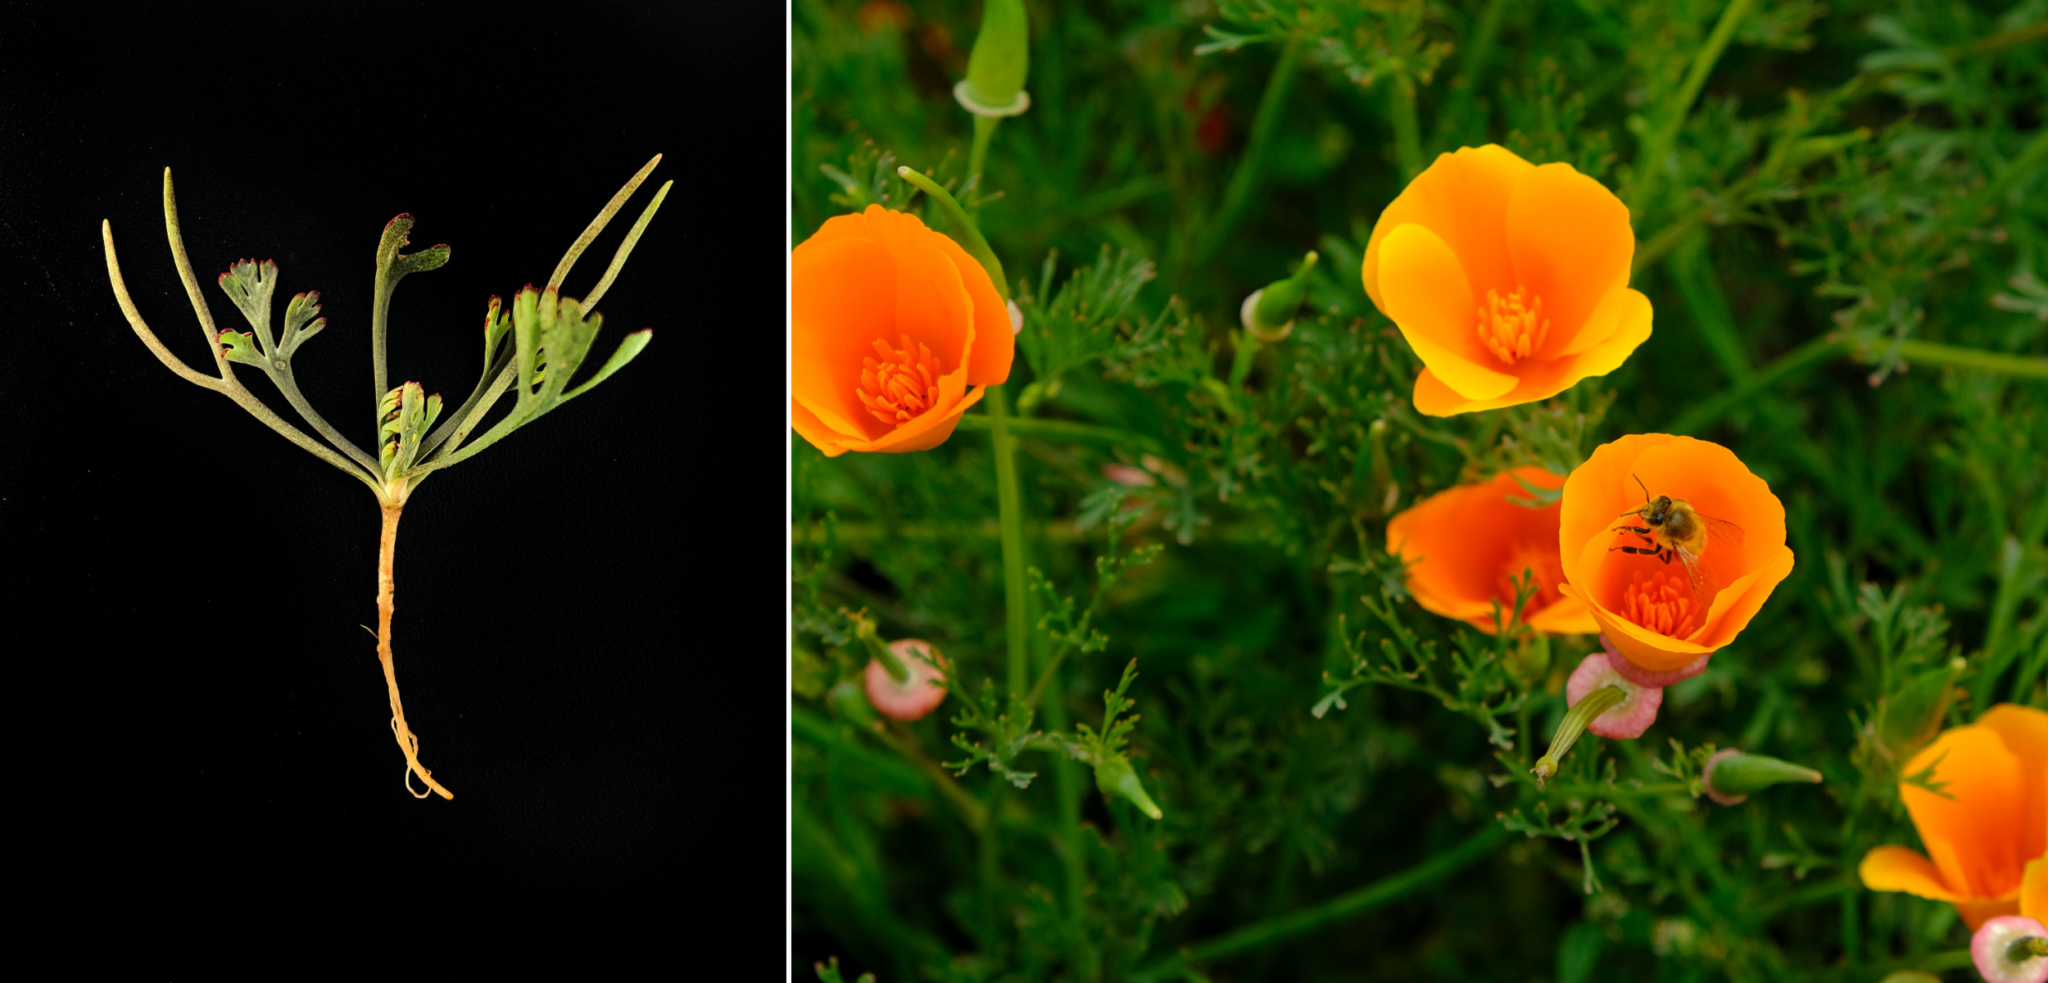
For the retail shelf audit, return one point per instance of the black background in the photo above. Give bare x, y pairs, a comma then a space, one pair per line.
586, 612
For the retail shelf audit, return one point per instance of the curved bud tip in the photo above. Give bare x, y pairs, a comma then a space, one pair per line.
2011, 949
916, 696
1117, 777
1911, 716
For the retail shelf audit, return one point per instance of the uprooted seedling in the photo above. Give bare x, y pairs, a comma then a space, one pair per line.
549, 336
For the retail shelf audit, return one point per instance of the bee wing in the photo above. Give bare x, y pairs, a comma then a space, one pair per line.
1692, 569
1721, 531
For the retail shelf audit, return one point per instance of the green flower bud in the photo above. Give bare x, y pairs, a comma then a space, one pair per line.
1911, 716
1732, 775
1116, 777
996, 68
849, 701
1269, 312
1529, 659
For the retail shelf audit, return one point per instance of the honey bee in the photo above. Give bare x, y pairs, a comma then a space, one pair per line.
1673, 528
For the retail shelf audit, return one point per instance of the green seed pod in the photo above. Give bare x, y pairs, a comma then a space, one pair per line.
1912, 715
1001, 57
1116, 777
1732, 775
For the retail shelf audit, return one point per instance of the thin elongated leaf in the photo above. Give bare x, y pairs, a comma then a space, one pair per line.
629, 348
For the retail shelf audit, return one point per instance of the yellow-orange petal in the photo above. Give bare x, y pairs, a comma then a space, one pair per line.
1428, 298
1463, 198
1624, 318
995, 345
2024, 730
1569, 241
923, 433
809, 427
842, 297
1971, 831
2034, 890
1738, 602
1976, 912
1457, 574
1569, 616
1895, 868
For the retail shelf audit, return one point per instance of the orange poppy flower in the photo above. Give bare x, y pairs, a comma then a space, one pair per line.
890, 322
1992, 825
1509, 280
1468, 543
1657, 610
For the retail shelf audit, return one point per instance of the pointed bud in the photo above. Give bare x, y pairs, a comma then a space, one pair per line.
1913, 714
1529, 659
994, 85
1731, 775
2011, 949
1117, 777
1269, 312
849, 702
1604, 702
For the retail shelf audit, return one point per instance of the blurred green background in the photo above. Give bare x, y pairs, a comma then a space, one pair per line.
1840, 223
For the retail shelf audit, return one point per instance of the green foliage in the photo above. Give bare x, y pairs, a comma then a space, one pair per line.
1841, 228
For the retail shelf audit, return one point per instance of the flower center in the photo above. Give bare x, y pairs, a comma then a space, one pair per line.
1662, 602
899, 384
1513, 326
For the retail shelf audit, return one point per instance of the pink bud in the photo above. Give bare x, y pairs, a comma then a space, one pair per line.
1629, 718
914, 697
1124, 474
1650, 677
1992, 950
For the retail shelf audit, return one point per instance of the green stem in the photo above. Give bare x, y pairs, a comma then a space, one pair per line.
2029, 366
2006, 39
1621, 791
1245, 178
2031, 947
1659, 145
1783, 367
1343, 906
984, 128
1067, 430
2036, 152
1011, 511
1407, 132
975, 245
1574, 724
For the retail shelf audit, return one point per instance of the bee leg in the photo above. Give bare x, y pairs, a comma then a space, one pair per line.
1633, 550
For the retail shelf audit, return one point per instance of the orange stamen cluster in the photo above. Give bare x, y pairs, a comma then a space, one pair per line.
900, 385
1512, 327
1661, 602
